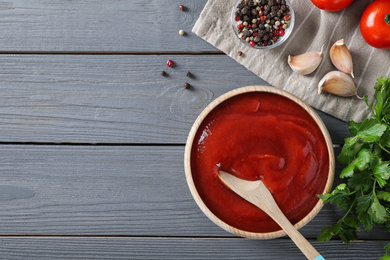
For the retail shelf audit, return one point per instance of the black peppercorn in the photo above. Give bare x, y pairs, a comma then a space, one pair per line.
163, 73
188, 74
261, 33
187, 85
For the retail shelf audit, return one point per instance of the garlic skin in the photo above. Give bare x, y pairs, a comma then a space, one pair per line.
337, 83
305, 63
341, 57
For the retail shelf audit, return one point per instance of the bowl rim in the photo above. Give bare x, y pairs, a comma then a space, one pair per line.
187, 160
289, 30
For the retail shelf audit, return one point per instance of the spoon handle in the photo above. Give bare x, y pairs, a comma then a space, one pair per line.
269, 206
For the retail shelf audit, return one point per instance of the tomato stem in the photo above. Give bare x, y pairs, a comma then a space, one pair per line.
387, 18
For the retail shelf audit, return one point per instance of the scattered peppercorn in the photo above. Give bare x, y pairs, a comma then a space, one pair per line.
163, 73
182, 8
181, 32
262, 22
187, 85
239, 53
188, 74
169, 63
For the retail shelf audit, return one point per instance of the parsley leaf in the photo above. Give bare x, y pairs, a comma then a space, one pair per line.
361, 163
383, 195
365, 196
381, 172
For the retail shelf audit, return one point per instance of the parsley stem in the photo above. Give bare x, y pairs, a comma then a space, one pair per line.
383, 148
350, 208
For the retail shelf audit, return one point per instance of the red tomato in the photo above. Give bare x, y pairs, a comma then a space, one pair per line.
373, 27
331, 5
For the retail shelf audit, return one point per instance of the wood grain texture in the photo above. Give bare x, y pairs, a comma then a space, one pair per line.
100, 26
109, 190
177, 248
115, 98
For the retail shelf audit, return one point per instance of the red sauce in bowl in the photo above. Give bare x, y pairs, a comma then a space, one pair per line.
263, 136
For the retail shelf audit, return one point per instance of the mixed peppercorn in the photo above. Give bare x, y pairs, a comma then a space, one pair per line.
262, 22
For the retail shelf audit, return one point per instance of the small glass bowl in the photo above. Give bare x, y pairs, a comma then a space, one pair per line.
280, 41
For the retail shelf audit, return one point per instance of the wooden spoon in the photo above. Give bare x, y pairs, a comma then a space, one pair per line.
257, 193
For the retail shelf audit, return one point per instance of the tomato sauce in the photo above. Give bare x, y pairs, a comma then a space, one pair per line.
262, 136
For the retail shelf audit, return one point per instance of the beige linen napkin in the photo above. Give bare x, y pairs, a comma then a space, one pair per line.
313, 28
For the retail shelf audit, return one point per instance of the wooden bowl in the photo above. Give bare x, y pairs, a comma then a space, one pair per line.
189, 177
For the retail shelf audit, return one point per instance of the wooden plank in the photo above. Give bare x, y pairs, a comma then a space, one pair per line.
115, 98
100, 26
177, 248
108, 190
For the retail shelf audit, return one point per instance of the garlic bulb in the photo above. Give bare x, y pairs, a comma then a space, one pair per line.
305, 63
341, 57
337, 83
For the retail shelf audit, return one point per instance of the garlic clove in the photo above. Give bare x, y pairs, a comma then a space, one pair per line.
305, 63
337, 83
341, 57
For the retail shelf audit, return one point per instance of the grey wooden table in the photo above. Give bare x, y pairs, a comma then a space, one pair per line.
92, 136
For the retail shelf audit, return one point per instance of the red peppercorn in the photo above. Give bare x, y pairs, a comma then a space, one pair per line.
169, 63
280, 26
237, 18
263, 18
258, 21
255, 34
281, 33
287, 17
260, 12
242, 36
182, 7
240, 26
276, 32
239, 53
249, 26
252, 43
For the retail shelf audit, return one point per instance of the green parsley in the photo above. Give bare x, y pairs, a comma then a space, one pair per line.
365, 195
